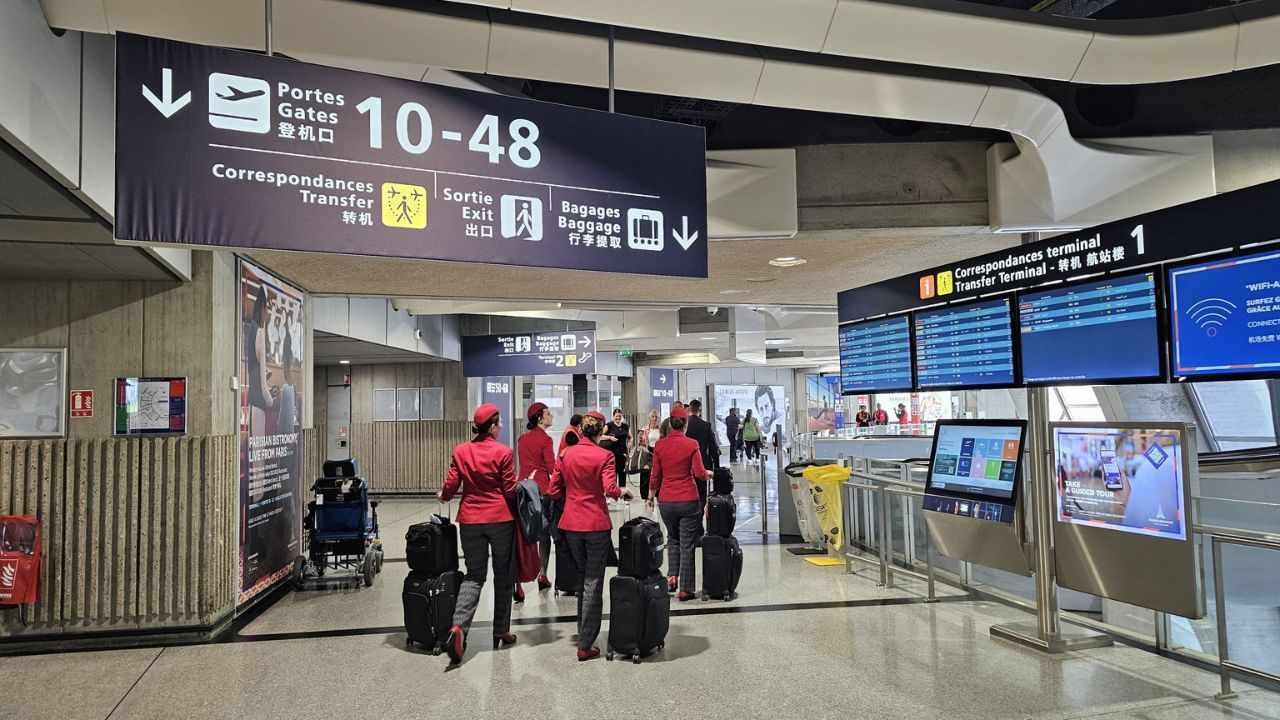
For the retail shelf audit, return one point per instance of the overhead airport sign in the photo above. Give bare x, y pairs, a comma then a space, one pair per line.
1215, 223
225, 148
572, 353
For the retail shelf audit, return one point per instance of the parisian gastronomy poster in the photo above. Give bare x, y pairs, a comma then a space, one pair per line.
271, 400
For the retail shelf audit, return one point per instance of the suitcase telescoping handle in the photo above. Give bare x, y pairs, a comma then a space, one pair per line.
445, 509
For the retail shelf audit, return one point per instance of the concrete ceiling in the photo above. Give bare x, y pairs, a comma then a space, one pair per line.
329, 349
739, 271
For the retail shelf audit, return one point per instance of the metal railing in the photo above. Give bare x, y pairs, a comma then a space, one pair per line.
869, 539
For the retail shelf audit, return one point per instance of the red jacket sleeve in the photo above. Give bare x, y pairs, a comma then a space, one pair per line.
556, 490
699, 470
507, 475
655, 472
549, 454
452, 480
610, 475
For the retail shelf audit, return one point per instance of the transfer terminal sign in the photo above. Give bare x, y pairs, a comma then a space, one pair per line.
225, 148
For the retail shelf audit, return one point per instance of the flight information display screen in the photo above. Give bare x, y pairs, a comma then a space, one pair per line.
1101, 330
875, 356
1225, 316
968, 345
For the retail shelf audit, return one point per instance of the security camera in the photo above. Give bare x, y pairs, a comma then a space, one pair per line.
713, 309
418, 333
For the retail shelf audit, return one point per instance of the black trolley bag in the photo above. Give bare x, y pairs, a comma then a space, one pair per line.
721, 567
722, 515
431, 548
639, 548
566, 572
429, 602
639, 616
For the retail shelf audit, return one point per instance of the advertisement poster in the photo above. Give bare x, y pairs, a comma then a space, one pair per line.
271, 400
826, 409
1121, 479
662, 390
768, 403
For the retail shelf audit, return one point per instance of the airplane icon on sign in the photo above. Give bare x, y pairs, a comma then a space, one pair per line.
238, 94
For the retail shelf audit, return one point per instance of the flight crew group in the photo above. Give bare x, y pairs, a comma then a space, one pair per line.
482, 471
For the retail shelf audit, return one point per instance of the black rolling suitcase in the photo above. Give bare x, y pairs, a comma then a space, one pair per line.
431, 548
722, 515
639, 548
429, 602
639, 616
566, 580
721, 567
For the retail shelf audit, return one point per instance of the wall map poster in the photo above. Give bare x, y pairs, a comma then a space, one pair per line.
271, 398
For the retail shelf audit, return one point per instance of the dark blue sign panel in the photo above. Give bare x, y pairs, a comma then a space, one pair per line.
567, 353
497, 390
662, 390
219, 147
1225, 316
1103, 330
965, 346
875, 356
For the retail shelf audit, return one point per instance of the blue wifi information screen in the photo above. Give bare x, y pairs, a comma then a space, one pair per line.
1095, 331
1225, 316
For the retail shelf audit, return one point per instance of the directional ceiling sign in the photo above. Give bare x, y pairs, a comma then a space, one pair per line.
226, 148
559, 353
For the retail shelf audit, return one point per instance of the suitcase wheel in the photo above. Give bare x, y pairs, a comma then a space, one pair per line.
609, 656
635, 660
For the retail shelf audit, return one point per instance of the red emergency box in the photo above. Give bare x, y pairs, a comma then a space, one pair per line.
19, 559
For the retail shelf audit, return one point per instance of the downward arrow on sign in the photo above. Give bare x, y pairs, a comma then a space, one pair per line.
682, 235
166, 104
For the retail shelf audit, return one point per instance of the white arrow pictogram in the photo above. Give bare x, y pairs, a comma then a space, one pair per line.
586, 341
682, 235
168, 105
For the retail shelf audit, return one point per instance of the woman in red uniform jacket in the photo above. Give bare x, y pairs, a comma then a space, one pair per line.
483, 471
587, 476
677, 471
537, 456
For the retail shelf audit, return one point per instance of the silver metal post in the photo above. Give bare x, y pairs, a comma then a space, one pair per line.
1046, 589
1046, 633
270, 28
1220, 601
764, 500
610, 68
928, 561
886, 542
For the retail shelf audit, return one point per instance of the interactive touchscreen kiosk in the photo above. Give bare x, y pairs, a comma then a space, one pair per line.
1123, 525
1224, 316
875, 356
1097, 331
971, 494
969, 345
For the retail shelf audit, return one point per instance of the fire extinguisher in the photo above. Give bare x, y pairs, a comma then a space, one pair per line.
19, 559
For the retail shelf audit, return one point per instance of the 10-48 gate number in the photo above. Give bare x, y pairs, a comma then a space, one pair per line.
523, 149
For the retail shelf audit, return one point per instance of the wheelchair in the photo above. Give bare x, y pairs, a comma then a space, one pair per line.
341, 524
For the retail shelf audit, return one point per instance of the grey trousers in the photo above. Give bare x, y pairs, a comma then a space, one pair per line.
589, 550
478, 540
684, 527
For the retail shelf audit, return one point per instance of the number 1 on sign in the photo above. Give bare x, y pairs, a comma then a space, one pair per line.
1137, 235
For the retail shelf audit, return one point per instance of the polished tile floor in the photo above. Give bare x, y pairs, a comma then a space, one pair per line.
800, 642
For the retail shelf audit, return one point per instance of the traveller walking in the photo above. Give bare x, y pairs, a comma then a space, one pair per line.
677, 471
708, 446
733, 428
647, 437
615, 437
538, 461
751, 435
585, 477
483, 471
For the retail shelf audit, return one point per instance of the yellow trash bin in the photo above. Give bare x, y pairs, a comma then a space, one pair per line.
824, 493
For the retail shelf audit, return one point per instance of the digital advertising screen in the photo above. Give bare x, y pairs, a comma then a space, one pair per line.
1101, 330
977, 459
1123, 479
875, 355
1225, 316
965, 346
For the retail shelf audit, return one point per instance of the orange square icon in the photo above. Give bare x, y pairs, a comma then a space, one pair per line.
927, 289
1010, 450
